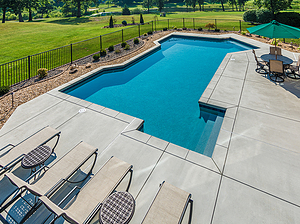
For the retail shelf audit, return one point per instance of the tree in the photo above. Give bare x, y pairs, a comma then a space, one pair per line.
200, 2
160, 4
46, 7
277, 5
125, 10
193, 4
4, 5
258, 3
141, 19
147, 4
187, 3
111, 22
18, 7
78, 4
29, 4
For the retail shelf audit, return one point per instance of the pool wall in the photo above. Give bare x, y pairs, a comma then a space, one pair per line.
230, 109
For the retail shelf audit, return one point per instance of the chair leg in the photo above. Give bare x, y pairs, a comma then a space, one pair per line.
191, 211
275, 77
293, 75
131, 171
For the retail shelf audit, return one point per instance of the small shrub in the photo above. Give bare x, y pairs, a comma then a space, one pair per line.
184, 28
111, 48
4, 90
210, 25
217, 30
174, 27
117, 51
243, 32
225, 30
199, 29
145, 34
165, 29
123, 44
136, 11
124, 22
42, 72
102, 53
96, 57
127, 47
136, 41
150, 32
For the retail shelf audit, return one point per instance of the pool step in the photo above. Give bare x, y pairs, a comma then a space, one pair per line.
207, 141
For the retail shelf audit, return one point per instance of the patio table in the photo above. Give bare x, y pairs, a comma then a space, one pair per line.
36, 157
284, 59
117, 208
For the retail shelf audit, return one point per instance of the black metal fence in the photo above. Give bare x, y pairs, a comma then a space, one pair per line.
25, 68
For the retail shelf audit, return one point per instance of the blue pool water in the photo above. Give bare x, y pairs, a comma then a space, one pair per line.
164, 88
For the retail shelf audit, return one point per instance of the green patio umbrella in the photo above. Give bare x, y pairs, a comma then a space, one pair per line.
275, 30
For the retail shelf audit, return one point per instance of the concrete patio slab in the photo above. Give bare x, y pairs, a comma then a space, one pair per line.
265, 167
238, 203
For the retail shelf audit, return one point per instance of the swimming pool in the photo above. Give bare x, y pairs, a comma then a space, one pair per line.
164, 88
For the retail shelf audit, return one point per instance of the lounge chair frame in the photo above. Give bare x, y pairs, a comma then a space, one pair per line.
189, 201
18, 193
9, 166
97, 207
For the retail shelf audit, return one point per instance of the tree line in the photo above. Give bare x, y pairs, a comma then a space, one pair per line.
75, 7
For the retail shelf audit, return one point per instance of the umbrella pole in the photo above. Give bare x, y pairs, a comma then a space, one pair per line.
275, 50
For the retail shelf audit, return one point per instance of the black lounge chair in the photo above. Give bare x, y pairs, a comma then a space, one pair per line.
10, 157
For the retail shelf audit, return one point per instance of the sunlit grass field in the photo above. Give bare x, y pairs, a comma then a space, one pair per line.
22, 39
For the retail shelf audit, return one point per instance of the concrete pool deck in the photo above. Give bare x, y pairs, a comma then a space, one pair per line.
253, 175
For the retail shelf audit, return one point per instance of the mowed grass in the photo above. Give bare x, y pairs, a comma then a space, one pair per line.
22, 39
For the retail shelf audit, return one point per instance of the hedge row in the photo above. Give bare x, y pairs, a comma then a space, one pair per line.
265, 16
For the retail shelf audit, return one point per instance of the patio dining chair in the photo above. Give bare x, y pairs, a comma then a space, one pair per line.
9, 157
169, 206
293, 70
275, 50
276, 71
83, 207
262, 66
54, 176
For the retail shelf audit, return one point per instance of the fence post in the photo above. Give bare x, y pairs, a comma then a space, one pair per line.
194, 23
216, 23
152, 26
183, 22
168, 23
100, 37
122, 36
139, 30
240, 25
28, 66
155, 26
71, 53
